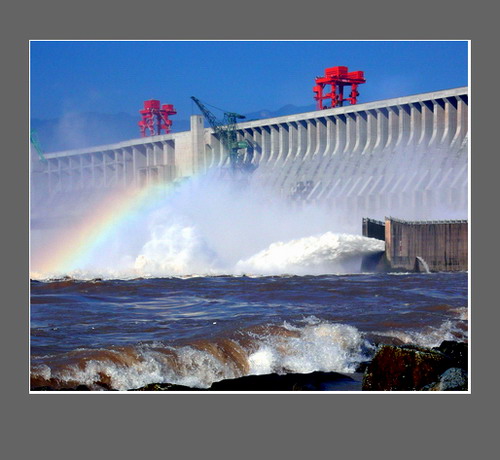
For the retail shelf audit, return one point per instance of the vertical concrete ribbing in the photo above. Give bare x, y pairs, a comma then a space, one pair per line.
340, 134
116, 166
218, 151
320, 137
273, 143
293, 135
93, 171
283, 141
350, 128
311, 139
266, 144
59, 176
50, 176
361, 132
393, 128
353, 154
330, 135
289, 177
437, 123
139, 162
450, 121
427, 110
371, 131
316, 144
415, 124
382, 131
404, 127
257, 139
462, 120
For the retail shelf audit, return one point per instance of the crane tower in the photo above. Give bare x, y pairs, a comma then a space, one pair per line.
226, 131
155, 119
338, 77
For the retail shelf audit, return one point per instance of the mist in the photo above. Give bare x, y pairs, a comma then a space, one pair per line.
204, 226
215, 225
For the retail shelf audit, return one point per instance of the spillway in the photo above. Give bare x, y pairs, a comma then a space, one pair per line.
405, 156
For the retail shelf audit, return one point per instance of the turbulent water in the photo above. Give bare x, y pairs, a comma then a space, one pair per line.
194, 331
212, 282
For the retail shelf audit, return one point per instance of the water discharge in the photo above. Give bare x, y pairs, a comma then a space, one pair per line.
205, 226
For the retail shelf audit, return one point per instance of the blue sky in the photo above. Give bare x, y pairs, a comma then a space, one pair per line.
244, 76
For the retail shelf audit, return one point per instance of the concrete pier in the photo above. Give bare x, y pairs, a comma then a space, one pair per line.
420, 246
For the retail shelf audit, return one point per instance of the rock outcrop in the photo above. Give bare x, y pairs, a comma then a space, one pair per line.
410, 368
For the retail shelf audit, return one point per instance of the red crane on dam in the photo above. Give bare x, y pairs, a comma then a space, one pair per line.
337, 78
155, 118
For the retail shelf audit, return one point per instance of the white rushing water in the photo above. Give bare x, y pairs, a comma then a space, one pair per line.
326, 253
212, 228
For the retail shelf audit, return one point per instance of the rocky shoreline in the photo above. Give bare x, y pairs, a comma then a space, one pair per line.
410, 368
393, 368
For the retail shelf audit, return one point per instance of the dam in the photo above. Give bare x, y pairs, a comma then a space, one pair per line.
405, 156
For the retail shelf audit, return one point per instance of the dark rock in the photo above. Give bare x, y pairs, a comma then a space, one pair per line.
165, 387
82, 388
314, 381
42, 388
457, 352
361, 367
454, 379
378, 340
404, 368
49, 388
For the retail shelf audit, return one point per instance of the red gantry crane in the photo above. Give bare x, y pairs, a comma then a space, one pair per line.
337, 77
155, 119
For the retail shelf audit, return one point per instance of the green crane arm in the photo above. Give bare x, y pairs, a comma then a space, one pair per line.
36, 144
226, 131
214, 123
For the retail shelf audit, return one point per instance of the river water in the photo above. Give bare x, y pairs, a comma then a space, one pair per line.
210, 281
194, 331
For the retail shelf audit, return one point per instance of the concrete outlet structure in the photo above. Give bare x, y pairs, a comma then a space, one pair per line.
421, 246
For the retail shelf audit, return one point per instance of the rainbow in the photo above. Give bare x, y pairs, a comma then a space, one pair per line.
72, 250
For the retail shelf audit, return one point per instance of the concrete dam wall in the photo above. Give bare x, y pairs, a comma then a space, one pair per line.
405, 156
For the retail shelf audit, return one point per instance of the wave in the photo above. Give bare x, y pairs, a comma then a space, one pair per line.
313, 346
454, 329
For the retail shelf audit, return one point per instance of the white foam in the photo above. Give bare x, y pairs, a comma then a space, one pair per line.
430, 336
326, 253
212, 227
179, 251
174, 250
263, 361
320, 347
316, 346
